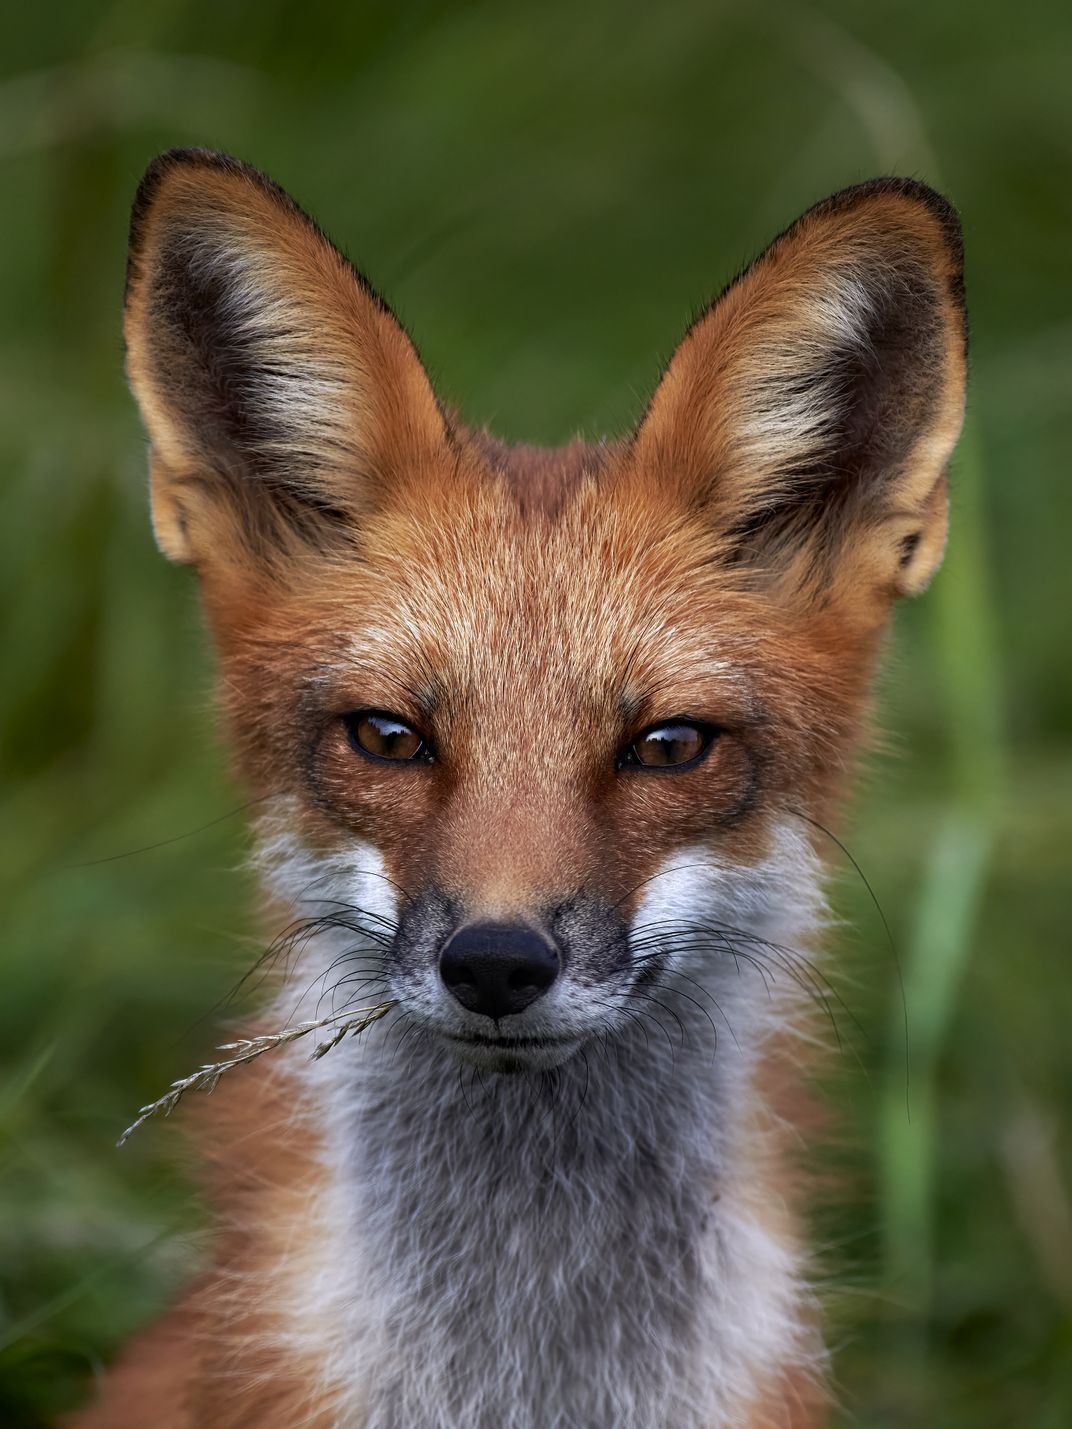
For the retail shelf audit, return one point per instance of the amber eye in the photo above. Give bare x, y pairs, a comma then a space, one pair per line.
670, 746
384, 736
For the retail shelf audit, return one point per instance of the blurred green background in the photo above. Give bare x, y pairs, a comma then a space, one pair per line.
545, 194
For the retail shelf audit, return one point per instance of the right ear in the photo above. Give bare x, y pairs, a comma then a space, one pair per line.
279, 392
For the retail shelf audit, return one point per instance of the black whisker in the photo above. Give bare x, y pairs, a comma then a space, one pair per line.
654, 942
678, 868
165, 843
821, 828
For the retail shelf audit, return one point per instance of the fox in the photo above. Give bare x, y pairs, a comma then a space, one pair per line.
543, 747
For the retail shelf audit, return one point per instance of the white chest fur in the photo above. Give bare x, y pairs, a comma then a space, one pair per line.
585, 1250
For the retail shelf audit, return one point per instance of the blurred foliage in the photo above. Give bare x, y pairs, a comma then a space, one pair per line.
544, 194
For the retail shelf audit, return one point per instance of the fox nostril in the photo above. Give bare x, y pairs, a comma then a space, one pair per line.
458, 976
524, 978
498, 969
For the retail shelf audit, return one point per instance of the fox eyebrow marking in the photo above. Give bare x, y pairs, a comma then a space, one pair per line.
426, 696
630, 704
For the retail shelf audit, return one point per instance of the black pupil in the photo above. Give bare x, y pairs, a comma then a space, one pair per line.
385, 737
670, 744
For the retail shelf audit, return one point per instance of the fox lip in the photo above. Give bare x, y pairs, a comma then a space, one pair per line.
508, 1044
512, 1054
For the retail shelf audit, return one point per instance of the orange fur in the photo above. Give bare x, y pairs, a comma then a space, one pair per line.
734, 561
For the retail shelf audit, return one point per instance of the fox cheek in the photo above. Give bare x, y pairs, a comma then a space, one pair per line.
427, 921
594, 936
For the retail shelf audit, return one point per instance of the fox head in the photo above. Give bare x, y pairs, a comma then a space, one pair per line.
569, 709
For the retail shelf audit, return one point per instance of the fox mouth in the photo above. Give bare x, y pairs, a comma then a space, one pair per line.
480, 1041
512, 1054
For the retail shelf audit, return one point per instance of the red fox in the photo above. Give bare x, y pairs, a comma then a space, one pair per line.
542, 742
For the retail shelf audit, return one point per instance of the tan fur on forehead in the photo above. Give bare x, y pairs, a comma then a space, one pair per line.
621, 584
542, 477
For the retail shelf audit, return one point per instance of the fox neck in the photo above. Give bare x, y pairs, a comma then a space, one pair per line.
594, 1246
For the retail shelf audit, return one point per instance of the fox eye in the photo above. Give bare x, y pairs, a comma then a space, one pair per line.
670, 746
378, 735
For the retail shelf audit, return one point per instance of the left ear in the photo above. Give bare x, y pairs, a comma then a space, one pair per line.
812, 409
283, 400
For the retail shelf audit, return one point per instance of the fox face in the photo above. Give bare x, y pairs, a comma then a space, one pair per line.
547, 728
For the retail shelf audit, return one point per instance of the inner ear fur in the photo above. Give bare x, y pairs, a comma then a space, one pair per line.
278, 390
812, 409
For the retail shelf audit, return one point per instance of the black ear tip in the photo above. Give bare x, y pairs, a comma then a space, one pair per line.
154, 176
211, 160
171, 160
190, 159
167, 162
898, 186
944, 217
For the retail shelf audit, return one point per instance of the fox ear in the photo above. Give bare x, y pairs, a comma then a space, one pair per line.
812, 409
279, 392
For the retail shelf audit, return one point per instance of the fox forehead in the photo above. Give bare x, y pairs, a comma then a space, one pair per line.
603, 607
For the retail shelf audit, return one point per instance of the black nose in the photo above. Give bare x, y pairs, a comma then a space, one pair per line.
498, 968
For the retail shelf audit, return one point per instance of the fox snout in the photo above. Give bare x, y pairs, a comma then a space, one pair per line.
535, 979
498, 969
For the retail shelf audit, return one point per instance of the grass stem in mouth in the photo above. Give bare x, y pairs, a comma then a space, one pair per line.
247, 1048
